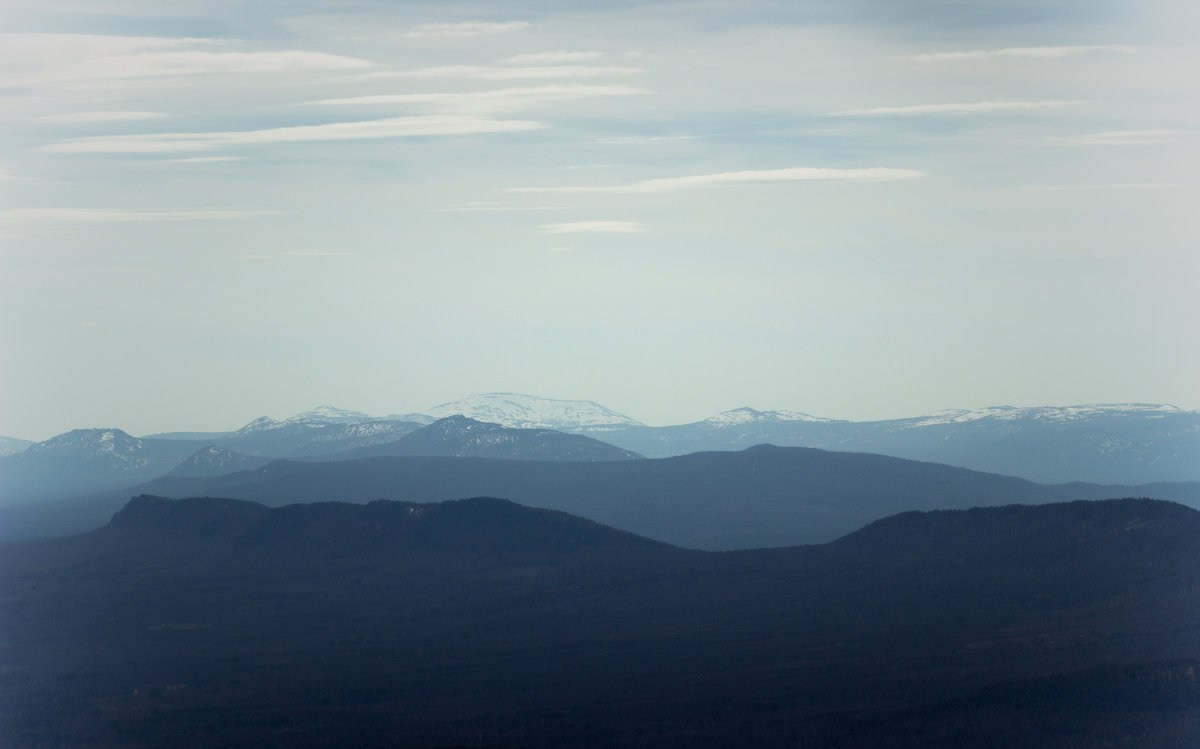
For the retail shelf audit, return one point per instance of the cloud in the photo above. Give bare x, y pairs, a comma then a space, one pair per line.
88, 117
467, 28
794, 174
1114, 186
88, 324
203, 160
499, 100
309, 253
552, 58
55, 49
593, 227
74, 58
395, 127
1121, 138
1025, 52
105, 215
978, 107
494, 206
157, 64
486, 73
646, 138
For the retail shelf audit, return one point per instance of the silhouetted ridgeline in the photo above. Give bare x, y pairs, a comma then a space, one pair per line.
762, 496
213, 622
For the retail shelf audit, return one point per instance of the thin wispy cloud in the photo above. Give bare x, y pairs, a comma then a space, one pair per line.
978, 107
481, 102
108, 216
494, 206
57, 49
646, 138
92, 117
467, 28
486, 73
73, 59
1043, 53
759, 176
203, 160
1121, 138
161, 64
395, 127
593, 227
1113, 186
309, 253
554, 57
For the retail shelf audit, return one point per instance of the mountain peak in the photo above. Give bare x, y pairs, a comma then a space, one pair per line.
99, 440
530, 411
747, 415
329, 415
463, 436
215, 460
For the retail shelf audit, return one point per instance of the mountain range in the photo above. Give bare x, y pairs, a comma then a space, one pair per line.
760, 497
86, 461
217, 622
1124, 444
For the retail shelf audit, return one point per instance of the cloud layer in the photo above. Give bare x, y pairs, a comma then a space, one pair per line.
394, 127
593, 227
1041, 53
977, 107
754, 176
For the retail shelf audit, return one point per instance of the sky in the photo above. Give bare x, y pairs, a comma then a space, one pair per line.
864, 209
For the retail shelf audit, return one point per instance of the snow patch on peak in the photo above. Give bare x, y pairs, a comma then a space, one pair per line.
532, 412
747, 415
1044, 413
329, 415
259, 424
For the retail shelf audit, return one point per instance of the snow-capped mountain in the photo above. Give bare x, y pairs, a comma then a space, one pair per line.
532, 412
322, 431
110, 447
1104, 443
750, 416
460, 436
1047, 414
319, 417
87, 461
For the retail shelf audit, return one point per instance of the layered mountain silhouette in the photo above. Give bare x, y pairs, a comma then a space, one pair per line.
763, 496
459, 436
84, 461
215, 622
217, 461
90, 460
1119, 444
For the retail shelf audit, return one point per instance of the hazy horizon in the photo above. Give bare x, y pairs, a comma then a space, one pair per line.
859, 210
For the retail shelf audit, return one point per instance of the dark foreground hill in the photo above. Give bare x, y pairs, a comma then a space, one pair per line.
763, 496
481, 623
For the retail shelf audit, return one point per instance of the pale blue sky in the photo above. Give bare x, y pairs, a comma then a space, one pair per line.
211, 211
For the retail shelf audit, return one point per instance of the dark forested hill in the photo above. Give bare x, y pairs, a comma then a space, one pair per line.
211, 622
